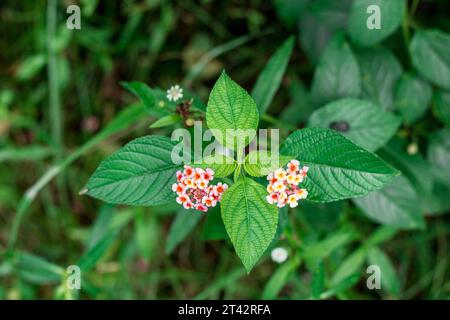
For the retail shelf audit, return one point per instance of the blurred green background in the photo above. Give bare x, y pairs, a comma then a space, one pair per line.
63, 110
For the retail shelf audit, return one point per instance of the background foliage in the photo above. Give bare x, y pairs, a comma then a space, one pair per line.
63, 109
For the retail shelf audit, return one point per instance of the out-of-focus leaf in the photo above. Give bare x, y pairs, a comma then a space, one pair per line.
269, 80
389, 279
315, 252
289, 11
28, 153
30, 67
147, 237
337, 74
38, 270
321, 216
439, 155
424, 178
380, 70
213, 229
395, 205
351, 265
363, 122
166, 121
318, 281
391, 14
147, 97
429, 55
300, 107
185, 221
279, 278
441, 106
412, 97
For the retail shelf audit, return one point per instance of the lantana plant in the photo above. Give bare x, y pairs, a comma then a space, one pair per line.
315, 164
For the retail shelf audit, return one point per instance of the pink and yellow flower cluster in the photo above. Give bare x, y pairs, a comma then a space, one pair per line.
283, 185
194, 191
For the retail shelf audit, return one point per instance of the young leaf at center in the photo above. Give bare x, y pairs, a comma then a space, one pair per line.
249, 219
231, 114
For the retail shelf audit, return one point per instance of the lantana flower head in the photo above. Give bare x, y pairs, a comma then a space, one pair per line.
283, 187
194, 191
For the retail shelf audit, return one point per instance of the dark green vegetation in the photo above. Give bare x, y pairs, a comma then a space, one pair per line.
63, 110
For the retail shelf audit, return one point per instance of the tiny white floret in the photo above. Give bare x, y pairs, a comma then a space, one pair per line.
279, 255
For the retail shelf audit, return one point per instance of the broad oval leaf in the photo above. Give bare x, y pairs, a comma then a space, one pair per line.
261, 163
140, 173
337, 74
412, 97
269, 79
395, 205
366, 123
441, 106
338, 168
319, 23
250, 221
365, 13
231, 114
429, 51
380, 70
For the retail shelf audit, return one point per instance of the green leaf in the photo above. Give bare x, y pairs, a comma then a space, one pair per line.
279, 278
396, 205
231, 114
93, 255
338, 169
391, 14
31, 66
221, 164
269, 79
315, 252
38, 270
140, 173
425, 179
321, 216
380, 70
337, 74
351, 265
146, 233
146, 95
289, 11
412, 97
260, 163
300, 107
389, 279
318, 281
441, 106
166, 121
429, 55
319, 23
250, 221
439, 154
363, 122
213, 229
185, 221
